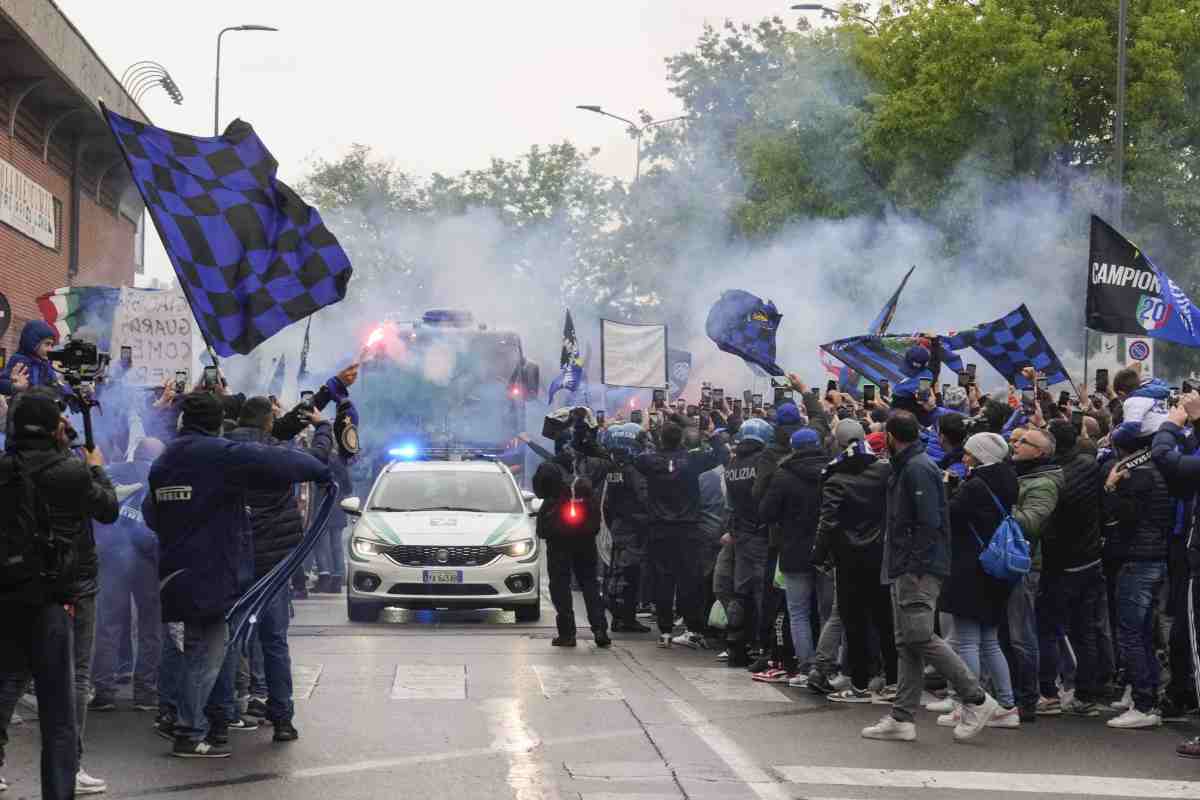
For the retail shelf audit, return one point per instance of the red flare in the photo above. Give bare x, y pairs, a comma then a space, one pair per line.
375, 337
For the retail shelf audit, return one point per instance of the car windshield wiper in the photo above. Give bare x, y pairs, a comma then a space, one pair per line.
448, 508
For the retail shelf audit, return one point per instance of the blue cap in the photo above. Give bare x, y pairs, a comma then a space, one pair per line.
788, 414
917, 356
805, 439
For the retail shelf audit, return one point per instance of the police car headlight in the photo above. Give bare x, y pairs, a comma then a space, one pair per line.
519, 548
364, 548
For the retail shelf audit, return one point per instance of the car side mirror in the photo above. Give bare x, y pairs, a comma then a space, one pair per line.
352, 505
527, 496
535, 505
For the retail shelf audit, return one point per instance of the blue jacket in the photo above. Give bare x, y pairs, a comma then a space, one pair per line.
918, 519
40, 371
197, 506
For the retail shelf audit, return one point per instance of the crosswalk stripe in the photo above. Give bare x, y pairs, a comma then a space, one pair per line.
1091, 785
723, 683
430, 682
593, 683
304, 680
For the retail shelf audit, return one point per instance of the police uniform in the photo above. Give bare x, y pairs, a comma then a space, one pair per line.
627, 517
749, 548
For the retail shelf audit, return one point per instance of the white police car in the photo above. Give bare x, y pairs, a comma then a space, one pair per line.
443, 534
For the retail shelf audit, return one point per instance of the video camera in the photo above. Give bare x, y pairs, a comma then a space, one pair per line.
80, 362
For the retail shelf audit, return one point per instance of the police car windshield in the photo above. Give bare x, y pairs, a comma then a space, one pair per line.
447, 490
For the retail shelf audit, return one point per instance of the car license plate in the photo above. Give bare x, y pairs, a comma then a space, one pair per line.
443, 576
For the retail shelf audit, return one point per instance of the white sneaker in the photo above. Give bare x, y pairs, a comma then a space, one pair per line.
841, 682
1006, 718
3, 785
798, 681
86, 784
723, 655
885, 696
1136, 719
15, 720
951, 718
1126, 701
1066, 696
975, 718
892, 730
943, 706
692, 640
664, 641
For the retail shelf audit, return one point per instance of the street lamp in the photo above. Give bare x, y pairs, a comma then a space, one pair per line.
826, 11
217, 87
638, 130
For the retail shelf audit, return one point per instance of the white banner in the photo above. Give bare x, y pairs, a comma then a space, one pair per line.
26, 206
633, 355
159, 329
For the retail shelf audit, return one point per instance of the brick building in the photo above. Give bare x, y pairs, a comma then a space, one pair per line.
69, 213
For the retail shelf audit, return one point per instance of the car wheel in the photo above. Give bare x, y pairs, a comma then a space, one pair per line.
530, 613
362, 612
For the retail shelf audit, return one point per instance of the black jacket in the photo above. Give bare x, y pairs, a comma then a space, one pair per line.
792, 503
1073, 537
673, 481
850, 528
918, 520
75, 494
970, 592
1138, 515
625, 499
275, 519
1174, 452
741, 475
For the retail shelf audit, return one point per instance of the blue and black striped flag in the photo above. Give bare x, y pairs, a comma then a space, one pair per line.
1010, 344
251, 256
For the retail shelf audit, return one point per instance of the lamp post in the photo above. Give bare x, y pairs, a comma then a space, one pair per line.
826, 11
1119, 122
638, 130
217, 86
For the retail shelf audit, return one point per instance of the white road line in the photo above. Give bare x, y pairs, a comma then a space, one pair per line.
1091, 785
759, 780
430, 682
593, 683
304, 680
722, 683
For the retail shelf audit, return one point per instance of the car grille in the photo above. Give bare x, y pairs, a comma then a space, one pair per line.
443, 589
415, 556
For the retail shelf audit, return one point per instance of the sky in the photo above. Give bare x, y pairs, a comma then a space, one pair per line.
436, 86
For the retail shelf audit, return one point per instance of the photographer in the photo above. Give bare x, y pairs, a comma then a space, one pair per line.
197, 506
42, 606
30, 366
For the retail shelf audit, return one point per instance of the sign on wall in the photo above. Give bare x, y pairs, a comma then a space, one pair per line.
26, 206
159, 329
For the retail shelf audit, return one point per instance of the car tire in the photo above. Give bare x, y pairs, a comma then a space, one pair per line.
362, 612
530, 613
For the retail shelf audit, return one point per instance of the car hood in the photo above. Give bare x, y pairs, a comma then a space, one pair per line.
445, 527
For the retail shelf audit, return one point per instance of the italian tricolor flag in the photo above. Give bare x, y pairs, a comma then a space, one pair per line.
73, 308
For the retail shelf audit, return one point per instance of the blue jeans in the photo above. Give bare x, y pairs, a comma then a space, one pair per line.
276, 659
799, 587
1023, 640
978, 646
222, 703
203, 657
170, 673
331, 557
1071, 608
1138, 585
130, 579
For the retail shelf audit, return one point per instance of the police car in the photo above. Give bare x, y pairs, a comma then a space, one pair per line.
443, 534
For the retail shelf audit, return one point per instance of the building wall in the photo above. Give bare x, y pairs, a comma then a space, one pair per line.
27, 268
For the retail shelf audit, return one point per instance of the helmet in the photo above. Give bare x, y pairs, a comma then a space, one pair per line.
756, 430
624, 437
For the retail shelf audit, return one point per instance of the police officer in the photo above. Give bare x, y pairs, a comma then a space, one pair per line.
747, 537
627, 517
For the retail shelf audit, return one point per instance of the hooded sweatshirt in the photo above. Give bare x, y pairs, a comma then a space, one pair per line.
39, 370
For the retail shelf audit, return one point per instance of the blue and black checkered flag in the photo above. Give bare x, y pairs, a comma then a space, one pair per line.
883, 358
745, 325
1010, 344
251, 256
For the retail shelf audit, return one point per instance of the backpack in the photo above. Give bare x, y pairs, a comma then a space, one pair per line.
28, 552
1006, 556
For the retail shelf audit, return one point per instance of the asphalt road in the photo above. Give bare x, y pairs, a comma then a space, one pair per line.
473, 705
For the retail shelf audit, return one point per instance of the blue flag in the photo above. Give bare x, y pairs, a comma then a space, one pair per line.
570, 374
876, 358
888, 312
744, 325
251, 256
1010, 344
679, 371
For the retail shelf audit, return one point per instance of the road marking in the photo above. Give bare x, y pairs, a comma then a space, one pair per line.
618, 796
304, 680
648, 771
593, 683
759, 780
1091, 785
512, 735
722, 683
430, 682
